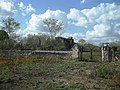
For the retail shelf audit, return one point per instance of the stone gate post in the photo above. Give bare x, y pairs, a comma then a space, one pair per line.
75, 51
106, 52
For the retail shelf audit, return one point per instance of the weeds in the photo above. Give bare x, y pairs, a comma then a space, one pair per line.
107, 70
54, 73
5, 74
49, 85
104, 72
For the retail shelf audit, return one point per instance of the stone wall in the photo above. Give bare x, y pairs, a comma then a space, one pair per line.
35, 53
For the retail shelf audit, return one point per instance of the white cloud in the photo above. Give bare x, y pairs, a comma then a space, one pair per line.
100, 23
26, 9
99, 30
76, 36
108, 16
82, 1
102, 13
35, 24
77, 17
7, 8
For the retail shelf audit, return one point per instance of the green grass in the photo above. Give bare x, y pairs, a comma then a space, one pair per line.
5, 74
51, 73
58, 86
96, 56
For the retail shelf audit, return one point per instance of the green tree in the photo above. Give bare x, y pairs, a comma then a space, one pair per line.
7, 44
3, 35
43, 38
10, 26
32, 42
81, 42
53, 26
115, 44
60, 45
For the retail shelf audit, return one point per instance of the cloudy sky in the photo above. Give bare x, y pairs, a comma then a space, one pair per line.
96, 21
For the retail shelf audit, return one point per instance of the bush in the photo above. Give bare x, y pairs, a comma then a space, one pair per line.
105, 71
5, 75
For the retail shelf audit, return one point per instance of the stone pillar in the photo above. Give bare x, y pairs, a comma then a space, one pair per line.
106, 53
75, 51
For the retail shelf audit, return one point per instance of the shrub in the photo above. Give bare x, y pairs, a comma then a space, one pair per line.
105, 71
5, 75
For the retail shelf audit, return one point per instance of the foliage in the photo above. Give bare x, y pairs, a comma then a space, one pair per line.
53, 26
115, 44
43, 38
60, 46
10, 26
7, 44
8, 35
38, 73
59, 86
43, 42
3, 35
90, 46
82, 42
52, 44
106, 71
5, 74
32, 42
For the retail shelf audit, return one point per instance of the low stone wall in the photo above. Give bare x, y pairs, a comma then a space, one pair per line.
74, 54
35, 53
15, 52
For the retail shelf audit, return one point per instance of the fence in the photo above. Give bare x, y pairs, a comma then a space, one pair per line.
75, 53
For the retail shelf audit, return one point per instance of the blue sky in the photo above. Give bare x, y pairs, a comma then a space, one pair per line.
96, 21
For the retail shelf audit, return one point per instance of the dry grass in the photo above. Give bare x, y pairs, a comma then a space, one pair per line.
29, 59
54, 73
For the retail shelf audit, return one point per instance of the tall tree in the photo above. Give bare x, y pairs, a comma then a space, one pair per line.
81, 42
53, 26
3, 35
7, 44
115, 46
32, 42
10, 26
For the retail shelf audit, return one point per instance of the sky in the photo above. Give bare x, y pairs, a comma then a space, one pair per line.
96, 21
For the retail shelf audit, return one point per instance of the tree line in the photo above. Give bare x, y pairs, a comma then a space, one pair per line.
9, 40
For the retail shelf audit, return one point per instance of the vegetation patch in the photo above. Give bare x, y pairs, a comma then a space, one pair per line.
5, 74
38, 73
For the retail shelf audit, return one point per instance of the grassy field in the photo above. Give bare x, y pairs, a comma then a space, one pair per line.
50, 73
96, 56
